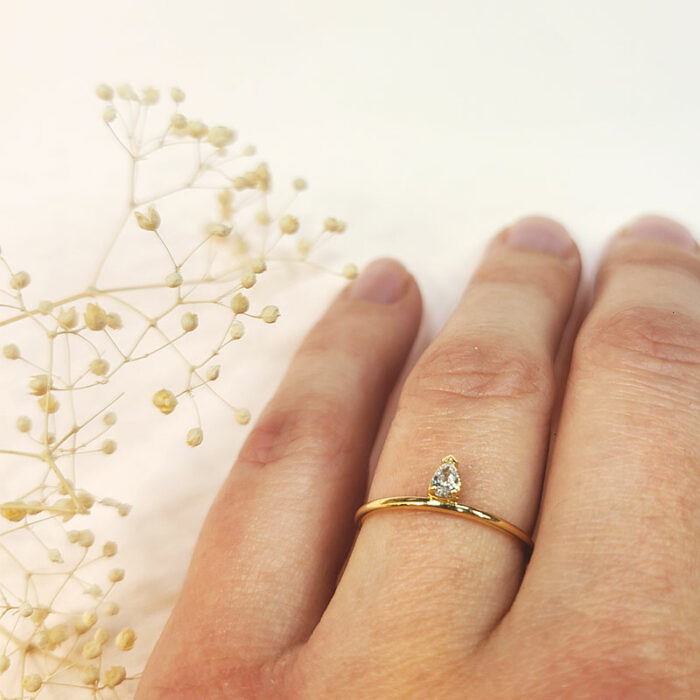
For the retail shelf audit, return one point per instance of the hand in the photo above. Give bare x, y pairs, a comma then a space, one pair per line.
431, 605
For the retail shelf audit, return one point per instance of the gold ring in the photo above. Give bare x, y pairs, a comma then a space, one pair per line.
442, 498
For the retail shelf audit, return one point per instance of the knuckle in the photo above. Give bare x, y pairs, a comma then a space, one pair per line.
469, 369
620, 660
641, 338
551, 279
315, 429
617, 640
629, 255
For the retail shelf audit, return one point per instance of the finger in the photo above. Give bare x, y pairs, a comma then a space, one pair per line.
618, 541
271, 547
483, 392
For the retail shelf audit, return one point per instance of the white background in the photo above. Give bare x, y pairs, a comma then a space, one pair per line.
427, 126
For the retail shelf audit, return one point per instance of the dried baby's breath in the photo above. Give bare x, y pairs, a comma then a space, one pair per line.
59, 625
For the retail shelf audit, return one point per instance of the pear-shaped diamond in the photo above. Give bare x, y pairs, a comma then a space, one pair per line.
446, 483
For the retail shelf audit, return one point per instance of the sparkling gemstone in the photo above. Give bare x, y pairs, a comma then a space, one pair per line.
446, 482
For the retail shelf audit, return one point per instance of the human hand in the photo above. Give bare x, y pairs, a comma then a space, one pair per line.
431, 605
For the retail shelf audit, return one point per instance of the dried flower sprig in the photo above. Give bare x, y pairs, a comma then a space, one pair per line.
70, 353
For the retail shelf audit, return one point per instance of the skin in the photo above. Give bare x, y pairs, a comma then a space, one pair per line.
579, 422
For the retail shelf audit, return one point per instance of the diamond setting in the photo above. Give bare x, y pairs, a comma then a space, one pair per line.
446, 482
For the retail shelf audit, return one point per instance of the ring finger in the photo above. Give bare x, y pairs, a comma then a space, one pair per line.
482, 391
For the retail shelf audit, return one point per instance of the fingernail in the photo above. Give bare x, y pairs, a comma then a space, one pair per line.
383, 282
540, 233
659, 228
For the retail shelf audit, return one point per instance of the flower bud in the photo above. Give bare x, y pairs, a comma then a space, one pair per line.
84, 622
221, 136
248, 280
95, 317
14, 511
116, 575
125, 639
178, 121
242, 416
177, 95
174, 279
32, 682
289, 224
150, 96
258, 265
197, 130
90, 675
114, 321
240, 303
92, 650
212, 373
218, 230
39, 615
299, 184
39, 384
57, 635
164, 401
86, 538
94, 590
114, 676
149, 221
194, 437
126, 92
68, 318
111, 608
104, 92
24, 424
45, 307
109, 447
20, 280
67, 508
270, 314
49, 404
99, 367
87, 500
109, 114
189, 322
333, 225
109, 548
350, 271
237, 330
11, 352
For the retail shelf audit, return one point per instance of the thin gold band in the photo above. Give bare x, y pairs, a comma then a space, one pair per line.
442, 498
429, 504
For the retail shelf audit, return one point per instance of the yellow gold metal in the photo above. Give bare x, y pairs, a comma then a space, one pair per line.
437, 504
